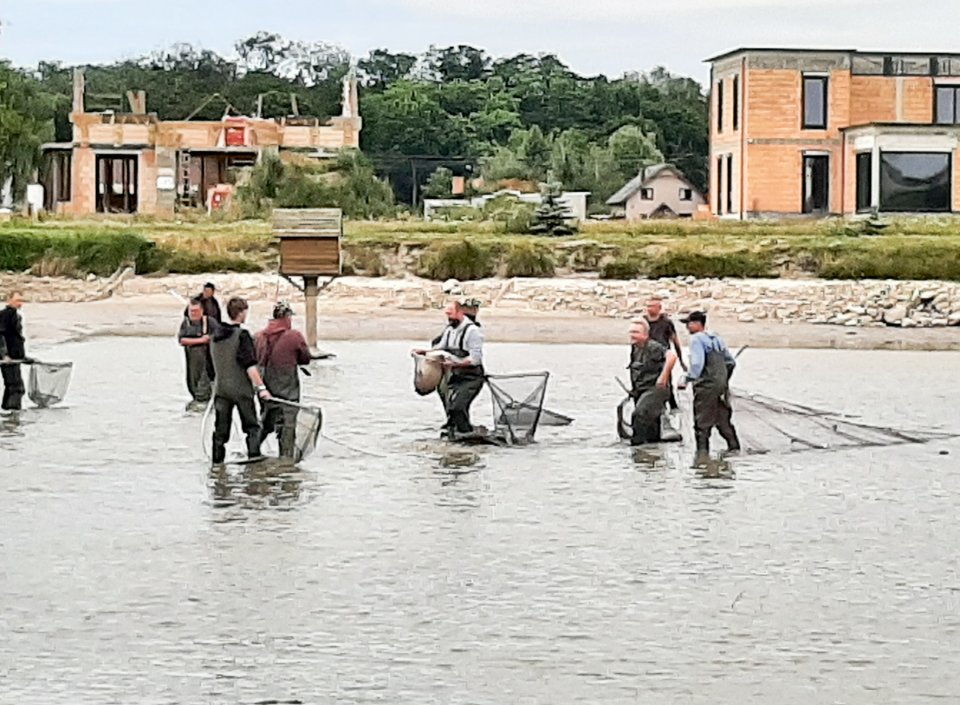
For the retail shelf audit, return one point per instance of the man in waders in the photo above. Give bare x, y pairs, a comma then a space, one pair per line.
711, 365
280, 352
237, 382
651, 366
464, 379
194, 337
664, 332
12, 352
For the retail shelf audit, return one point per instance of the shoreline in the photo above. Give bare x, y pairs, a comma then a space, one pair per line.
158, 315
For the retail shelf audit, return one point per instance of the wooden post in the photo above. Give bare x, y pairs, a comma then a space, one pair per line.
310, 292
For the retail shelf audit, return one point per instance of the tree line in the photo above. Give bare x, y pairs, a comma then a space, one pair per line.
523, 117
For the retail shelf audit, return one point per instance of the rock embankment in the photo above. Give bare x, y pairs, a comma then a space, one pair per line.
867, 303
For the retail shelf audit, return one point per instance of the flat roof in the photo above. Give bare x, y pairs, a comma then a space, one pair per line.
824, 50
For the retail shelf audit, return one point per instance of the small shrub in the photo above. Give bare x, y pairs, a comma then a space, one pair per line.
630, 267
528, 259
705, 265
366, 261
461, 260
510, 215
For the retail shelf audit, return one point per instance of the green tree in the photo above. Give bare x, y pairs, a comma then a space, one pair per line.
440, 184
552, 215
26, 121
631, 150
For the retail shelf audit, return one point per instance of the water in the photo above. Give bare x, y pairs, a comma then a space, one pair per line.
567, 572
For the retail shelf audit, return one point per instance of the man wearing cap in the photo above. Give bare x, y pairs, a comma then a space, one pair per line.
711, 365
280, 353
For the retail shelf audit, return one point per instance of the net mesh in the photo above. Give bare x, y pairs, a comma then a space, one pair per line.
518, 405
48, 383
768, 425
306, 420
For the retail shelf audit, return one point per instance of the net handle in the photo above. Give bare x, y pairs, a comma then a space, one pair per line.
293, 404
34, 361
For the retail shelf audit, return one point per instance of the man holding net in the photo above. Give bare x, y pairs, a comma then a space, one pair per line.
12, 352
280, 353
237, 382
711, 365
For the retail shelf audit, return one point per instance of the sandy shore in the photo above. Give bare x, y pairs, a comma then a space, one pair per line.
159, 315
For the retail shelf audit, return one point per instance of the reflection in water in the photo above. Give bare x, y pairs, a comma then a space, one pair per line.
269, 484
577, 570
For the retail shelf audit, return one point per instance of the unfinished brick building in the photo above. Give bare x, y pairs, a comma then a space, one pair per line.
796, 131
134, 162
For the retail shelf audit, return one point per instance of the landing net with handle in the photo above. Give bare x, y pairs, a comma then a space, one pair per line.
48, 382
307, 420
518, 406
768, 425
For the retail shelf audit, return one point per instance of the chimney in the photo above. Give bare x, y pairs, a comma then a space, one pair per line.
78, 91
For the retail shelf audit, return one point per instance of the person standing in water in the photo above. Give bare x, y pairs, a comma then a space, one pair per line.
194, 337
237, 382
711, 366
463, 340
664, 332
12, 352
651, 366
280, 352
208, 302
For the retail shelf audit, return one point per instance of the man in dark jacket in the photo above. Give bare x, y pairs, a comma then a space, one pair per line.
208, 302
280, 352
237, 382
651, 365
12, 348
194, 337
664, 332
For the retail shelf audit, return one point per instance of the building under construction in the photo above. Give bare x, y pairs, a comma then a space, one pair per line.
133, 162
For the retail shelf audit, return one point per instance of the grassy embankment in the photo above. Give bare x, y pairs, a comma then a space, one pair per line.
919, 248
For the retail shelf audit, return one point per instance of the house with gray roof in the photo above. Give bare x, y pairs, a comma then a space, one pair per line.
658, 191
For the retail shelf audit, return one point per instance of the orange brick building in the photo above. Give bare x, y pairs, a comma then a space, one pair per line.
815, 132
135, 163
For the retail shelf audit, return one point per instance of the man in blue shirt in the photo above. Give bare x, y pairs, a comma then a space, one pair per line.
711, 365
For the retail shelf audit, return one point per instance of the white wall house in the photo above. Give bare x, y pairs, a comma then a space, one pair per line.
660, 191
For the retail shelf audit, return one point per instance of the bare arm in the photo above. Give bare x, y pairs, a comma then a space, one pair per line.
664, 380
675, 339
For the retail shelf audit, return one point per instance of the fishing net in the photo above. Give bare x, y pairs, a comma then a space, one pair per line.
48, 382
518, 406
669, 428
768, 425
306, 420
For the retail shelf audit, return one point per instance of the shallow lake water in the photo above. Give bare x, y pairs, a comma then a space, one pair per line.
571, 571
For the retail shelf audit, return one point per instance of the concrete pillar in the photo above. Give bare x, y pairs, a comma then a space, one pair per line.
310, 292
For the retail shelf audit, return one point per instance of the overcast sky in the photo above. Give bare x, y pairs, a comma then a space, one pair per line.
592, 36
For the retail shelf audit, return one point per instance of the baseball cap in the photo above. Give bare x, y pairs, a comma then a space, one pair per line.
695, 317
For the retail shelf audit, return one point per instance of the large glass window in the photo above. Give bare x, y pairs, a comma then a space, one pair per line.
814, 102
946, 102
915, 182
864, 182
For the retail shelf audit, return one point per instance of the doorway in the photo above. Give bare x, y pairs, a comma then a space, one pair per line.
117, 181
816, 183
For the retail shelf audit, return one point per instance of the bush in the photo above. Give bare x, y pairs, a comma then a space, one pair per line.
876, 259
364, 260
461, 260
511, 215
528, 259
101, 253
629, 267
704, 265
166, 260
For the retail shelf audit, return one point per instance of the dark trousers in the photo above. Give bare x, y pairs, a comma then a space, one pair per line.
13, 388
711, 409
673, 398
282, 420
461, 391
198, 378
223, 409
646, 416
